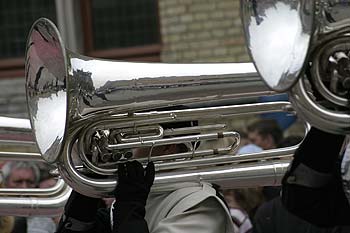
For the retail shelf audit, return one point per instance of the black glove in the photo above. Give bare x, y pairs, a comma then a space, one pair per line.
131, 193
134, 182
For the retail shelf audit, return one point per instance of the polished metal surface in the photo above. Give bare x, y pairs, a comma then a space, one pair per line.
157, 117
328, 120
64, 88
85, 112
17, 124
303, 46
17, 149
20, 156
265, 173
46, 98
230, 173
281, 34
332, 15
333, 71
51, 201
34, 202
69, 94
195, 167
27, 201
278, 34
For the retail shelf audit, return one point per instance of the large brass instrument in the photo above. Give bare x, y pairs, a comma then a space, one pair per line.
88, 114
50, 201
303, 47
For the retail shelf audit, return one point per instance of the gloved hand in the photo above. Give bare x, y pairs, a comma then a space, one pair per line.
134, 182
131, 193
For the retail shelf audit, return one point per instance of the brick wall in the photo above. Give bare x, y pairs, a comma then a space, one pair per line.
201, 31
12, 98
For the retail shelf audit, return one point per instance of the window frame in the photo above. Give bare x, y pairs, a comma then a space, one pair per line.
12, 67
148, 53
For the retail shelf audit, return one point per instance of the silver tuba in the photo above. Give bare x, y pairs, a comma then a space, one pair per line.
88, 114
303, 47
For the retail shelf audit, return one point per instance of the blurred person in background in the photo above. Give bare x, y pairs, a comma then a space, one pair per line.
24, 174
21, 174
265, 133
245, 146
243, 204
6, 222
46, 179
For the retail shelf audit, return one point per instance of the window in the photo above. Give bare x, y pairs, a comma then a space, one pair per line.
121, 29
126, 30
16, 18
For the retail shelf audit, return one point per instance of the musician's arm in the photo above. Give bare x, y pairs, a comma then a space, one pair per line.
131, 193
80, 215
312, 187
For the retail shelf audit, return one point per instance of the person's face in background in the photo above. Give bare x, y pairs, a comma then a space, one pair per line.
265, 142
50, 182
21, 178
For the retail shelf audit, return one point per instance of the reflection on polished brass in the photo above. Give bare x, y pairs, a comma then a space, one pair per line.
87, 115
27, 201
278, 33
303, 46
35, 201
65, 89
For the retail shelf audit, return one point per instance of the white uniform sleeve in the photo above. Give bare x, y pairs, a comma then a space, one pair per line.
206, 217
40, 225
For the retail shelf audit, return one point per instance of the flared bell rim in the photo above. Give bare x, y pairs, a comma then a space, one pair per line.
277, 77
46, 84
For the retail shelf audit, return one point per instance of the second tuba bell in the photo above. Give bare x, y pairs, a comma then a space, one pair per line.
303, 47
